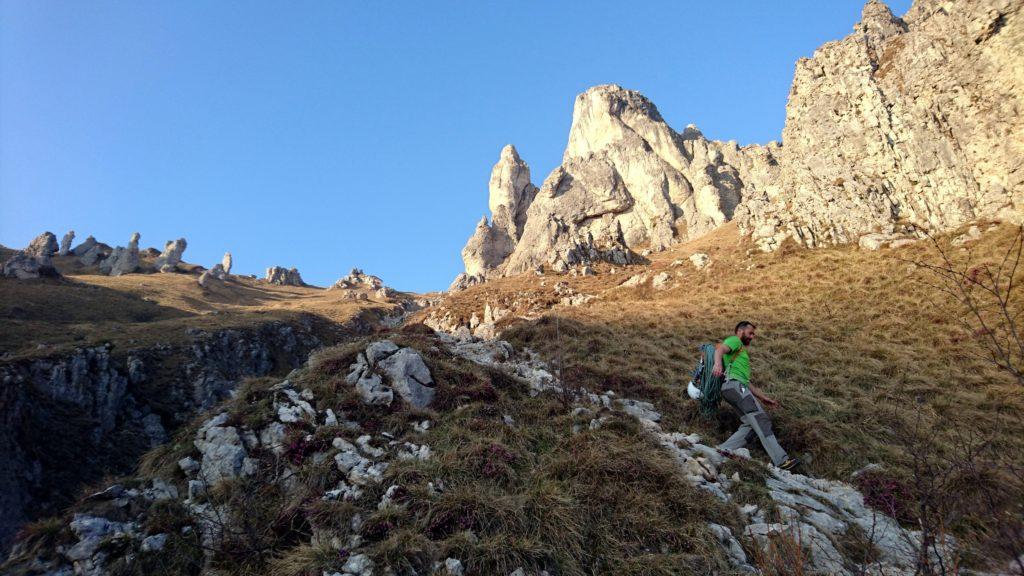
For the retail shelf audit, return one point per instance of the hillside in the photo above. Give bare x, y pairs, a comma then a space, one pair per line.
97, 369
159, 417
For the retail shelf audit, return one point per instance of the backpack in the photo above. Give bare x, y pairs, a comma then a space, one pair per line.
704, 385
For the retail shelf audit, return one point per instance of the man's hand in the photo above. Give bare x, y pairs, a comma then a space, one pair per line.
762, 397
718, 370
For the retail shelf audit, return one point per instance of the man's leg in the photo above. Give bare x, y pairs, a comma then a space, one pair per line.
761, 423
739, 439
754, 419
732, 392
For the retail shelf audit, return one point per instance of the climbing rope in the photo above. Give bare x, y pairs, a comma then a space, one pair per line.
710, 385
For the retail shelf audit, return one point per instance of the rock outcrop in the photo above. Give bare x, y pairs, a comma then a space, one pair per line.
284, 276
215, 273
65, 243
226, 262
403, 369
35, 260
511, 194
907, 124
69, 420
169, 259
123, 260
90, 251
358, 279
627, 181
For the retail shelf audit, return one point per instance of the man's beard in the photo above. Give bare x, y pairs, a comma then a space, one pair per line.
745, 339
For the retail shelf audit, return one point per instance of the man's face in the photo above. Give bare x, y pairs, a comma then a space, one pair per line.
746, 334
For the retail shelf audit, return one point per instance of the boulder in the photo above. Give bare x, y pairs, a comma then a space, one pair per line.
22, 267
224, 454
171, 256
410, 377
226, 262
357, 279
700, 260
123, 260
34, 261
284, 277
661, 281
65, 243
84, 247
97, 253
43, 247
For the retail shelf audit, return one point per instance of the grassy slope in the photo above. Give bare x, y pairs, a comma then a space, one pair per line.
855, 344
529, 494
46, 316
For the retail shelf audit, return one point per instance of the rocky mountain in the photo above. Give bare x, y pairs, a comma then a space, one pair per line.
905, 124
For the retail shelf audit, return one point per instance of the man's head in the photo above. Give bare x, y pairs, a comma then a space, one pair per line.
745, 330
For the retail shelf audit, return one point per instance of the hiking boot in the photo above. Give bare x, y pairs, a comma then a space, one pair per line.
790, 464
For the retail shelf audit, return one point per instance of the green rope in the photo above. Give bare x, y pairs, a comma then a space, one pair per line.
709, 384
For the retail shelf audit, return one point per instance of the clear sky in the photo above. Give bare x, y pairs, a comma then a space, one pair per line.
331, 134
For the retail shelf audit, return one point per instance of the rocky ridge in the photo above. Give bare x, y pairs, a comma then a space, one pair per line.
902, 127
820, 513
70, 419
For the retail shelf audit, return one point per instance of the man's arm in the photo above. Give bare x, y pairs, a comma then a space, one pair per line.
720, 350
762, 396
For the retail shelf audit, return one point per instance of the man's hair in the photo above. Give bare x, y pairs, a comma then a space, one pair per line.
743, 325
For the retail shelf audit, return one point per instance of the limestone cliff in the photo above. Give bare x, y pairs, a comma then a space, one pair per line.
913, 120
907, 122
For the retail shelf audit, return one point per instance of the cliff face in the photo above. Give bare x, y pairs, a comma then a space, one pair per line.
626, 180
68, 421
912, 121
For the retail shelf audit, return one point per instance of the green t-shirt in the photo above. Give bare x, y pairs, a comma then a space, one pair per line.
739, 367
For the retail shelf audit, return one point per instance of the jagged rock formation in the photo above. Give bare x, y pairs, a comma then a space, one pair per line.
627, 180
171, 256
72, 419
35, 260
908, 122
215, 273
358, 279
123, 260
90, 251
284, 277
404, 369
226, 262
65, 243
511, 194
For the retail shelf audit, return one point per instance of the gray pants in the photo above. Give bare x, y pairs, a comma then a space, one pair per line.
756, 422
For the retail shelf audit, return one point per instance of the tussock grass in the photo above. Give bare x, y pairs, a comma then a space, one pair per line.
859, 347
496, 495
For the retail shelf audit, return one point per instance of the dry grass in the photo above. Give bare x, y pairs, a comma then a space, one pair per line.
854, 344
498, 496
47, 316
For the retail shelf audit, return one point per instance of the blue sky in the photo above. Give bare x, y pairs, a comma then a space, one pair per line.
326, 135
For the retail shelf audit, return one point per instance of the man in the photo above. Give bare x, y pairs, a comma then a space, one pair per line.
732, 361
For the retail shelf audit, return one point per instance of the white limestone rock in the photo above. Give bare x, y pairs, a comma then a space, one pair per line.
34, 261
65, 243
284, 277
171, 256
123, 260
906, 120
700, 260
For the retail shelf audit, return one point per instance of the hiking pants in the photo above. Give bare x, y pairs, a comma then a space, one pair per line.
756, 422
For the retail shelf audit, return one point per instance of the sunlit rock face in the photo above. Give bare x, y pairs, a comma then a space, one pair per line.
907, 124
913, 120
627, 180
